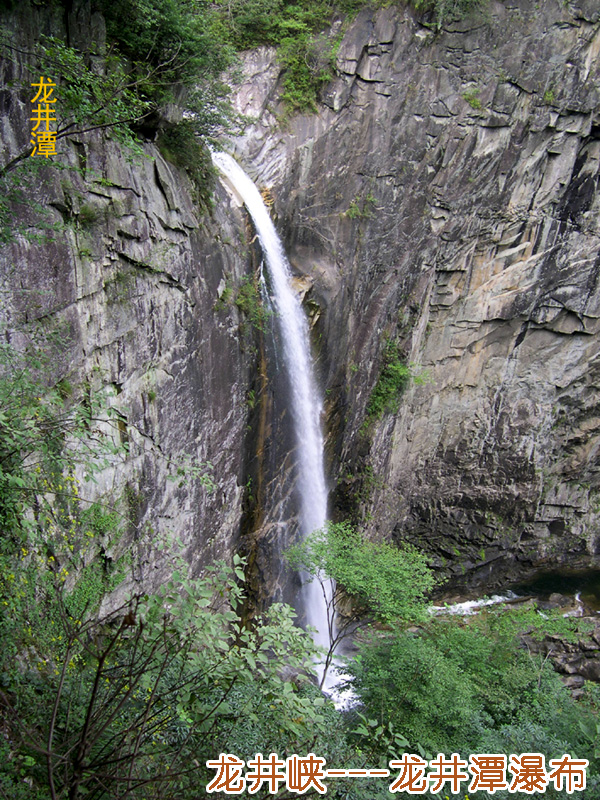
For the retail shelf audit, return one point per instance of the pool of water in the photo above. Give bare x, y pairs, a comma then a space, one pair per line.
569, 582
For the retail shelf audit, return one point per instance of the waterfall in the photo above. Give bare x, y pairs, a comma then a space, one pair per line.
306, 404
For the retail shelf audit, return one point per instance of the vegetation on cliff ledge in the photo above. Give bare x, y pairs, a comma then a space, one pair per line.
171, 54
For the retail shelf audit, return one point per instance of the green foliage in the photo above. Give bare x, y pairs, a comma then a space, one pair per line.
249, 302
181, 146
389, 582
45, 438
142, 697
87, 98
88, 216
85, 597
308, 63
187, 469
306, 55
177, 51
361, 208
251, 399
467, 687
183, 43
256, 22
472, 98
169, 52
100, 521
225, 299
393, 380
21, 214
41, 437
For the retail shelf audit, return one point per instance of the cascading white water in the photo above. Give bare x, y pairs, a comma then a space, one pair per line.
306, 402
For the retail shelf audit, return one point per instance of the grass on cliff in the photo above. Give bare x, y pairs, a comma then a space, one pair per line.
394, 378
187, 45
298, 28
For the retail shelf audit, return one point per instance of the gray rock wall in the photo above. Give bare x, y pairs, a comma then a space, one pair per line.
130, 283
446, 197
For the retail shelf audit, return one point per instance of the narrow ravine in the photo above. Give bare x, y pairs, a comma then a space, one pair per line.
306, 402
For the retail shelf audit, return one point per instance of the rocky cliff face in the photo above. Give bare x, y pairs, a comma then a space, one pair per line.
445, 198
130, 283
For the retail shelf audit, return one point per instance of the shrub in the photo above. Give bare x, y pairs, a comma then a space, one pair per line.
472, 98
393, 380
88, 216
307, 62
306, 56
180, 145
137, 699
140, 698
249, 302
471, 687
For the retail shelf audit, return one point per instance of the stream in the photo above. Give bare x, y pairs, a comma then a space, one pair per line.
575, 590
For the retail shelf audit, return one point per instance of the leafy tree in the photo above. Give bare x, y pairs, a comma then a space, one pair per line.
86, 100
132, 703
381, 580
183, 41
171, 52
256, 22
